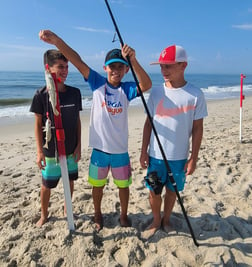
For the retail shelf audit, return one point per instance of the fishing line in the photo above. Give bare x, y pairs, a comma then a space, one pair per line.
170, 175
114, 38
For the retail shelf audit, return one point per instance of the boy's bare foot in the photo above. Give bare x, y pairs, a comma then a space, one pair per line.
41, 221
125, 221
98, 220
150, 231
167, 227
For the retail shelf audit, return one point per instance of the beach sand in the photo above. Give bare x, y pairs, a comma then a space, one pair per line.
217, 200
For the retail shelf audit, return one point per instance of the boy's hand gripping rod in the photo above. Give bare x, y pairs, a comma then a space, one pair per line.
154, 130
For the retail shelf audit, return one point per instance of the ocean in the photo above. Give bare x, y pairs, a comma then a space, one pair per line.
17, 89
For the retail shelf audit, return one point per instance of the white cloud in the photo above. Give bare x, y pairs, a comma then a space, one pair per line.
218, 56
116, 2
155, 56
86, 29
20, 47
123, 3
243, 26
191, 59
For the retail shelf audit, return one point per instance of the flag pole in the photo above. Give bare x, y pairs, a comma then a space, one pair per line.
242, 97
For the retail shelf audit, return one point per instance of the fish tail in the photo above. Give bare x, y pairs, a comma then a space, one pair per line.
45, 145
55, 111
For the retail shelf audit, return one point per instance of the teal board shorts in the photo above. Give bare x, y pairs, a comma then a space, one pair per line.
51, 173
100, 164
177, 168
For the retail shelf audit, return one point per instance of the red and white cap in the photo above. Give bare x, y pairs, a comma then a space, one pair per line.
171, 55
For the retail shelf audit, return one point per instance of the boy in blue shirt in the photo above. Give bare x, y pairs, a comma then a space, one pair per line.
108, 121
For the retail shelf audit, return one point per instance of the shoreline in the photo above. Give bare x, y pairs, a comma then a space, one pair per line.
29, 117
217, 199
85, 112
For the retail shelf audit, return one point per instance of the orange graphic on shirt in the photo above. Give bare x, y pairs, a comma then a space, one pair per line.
161, 111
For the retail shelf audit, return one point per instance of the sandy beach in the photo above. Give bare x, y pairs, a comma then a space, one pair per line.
217, 199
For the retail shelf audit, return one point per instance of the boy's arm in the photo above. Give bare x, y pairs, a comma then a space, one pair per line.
51, 38
197, 134
39, 141
143, 78
144, 158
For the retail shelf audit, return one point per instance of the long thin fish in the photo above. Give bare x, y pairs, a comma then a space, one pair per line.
50, 85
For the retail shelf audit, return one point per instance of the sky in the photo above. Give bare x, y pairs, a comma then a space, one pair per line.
217, 34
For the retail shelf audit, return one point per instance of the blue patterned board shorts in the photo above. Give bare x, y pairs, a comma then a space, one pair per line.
100, 164
52, 172
177, 168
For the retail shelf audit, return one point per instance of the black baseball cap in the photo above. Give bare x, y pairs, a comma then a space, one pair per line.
115, 55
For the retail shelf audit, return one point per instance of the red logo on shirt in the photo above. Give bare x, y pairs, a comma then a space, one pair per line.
171, 112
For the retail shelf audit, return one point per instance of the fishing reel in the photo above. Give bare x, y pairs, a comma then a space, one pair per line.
154, 182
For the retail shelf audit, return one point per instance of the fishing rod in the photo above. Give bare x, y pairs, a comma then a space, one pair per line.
170, 175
